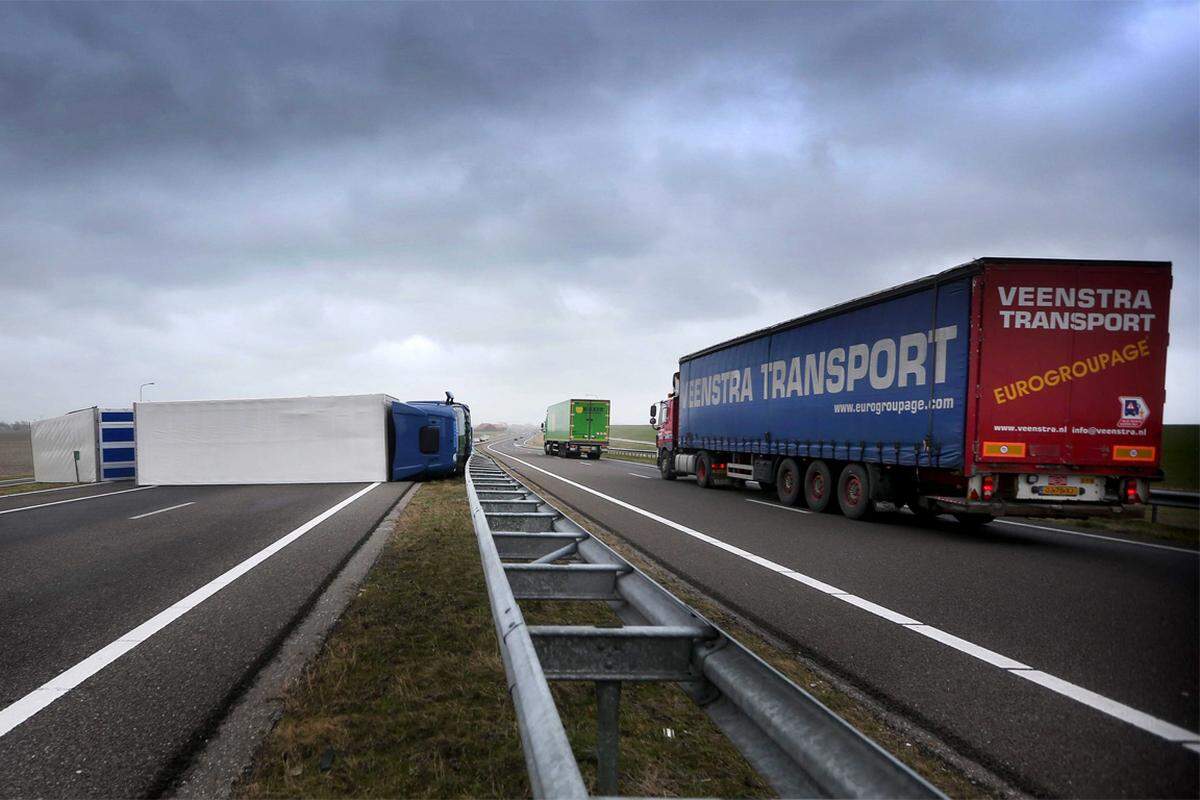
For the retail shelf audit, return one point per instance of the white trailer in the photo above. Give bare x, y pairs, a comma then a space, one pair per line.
276, 440
84, 446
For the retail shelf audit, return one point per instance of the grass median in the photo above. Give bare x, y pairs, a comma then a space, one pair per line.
408, 697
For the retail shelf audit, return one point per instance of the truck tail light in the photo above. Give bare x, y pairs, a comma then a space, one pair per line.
988, 486
1131, 491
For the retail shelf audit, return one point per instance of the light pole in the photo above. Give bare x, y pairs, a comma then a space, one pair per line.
143, 386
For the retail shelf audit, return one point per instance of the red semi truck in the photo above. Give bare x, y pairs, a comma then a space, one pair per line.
1005, 386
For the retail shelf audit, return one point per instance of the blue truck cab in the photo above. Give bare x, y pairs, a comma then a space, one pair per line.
462, 417
424, 440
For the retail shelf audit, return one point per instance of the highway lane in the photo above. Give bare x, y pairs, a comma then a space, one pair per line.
76, 577
1114, 618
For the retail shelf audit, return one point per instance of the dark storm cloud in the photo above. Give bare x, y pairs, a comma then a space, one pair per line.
271, 194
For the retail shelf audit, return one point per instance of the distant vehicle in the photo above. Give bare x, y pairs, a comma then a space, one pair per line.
462, 417
576, 428
1016, 387
425, 441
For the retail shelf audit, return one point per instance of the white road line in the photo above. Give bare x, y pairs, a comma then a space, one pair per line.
74, 500
47, 693
1172, 733
161, 510
970, 648
1132, 716
779, 506
1098, 536
639, 475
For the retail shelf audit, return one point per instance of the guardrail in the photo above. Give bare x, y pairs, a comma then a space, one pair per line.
1171, 498
531, 551
632, 451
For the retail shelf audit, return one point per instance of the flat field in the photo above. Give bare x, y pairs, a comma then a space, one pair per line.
16, 456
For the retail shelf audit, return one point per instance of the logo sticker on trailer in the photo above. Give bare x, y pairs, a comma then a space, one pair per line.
1134, 412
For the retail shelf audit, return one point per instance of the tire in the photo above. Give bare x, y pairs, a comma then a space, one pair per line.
789, 486
973, 522
818, 486
666, 466
704, 470
854, 492
546, 447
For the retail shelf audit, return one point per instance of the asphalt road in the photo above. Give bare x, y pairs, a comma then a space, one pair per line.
77, 576
1118, 620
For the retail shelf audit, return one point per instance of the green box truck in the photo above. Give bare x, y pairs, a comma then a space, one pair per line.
576, 428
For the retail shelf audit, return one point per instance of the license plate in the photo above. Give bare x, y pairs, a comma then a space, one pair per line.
1060, 491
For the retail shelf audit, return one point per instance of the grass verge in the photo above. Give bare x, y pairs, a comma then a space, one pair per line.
632, 433
31, 487
408, 698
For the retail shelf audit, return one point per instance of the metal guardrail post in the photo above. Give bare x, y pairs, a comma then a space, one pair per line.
798, 745
608, 713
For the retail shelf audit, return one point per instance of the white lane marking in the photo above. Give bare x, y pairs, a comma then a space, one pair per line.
640, 475
1103, 704
1098, 536
41, 697
780, 506
74, 500
1172, 733
161, 510
970, 648
1193, 746
877, 610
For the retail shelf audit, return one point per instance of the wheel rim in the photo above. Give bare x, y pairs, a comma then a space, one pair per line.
853, 491
818, 486
701, 472
789, 481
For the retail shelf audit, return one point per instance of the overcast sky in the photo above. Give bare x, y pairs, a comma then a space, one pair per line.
528, 202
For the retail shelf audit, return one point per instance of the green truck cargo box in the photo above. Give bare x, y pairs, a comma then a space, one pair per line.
576, 428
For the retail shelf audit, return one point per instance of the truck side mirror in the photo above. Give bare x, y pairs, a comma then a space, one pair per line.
653, 412
543, 427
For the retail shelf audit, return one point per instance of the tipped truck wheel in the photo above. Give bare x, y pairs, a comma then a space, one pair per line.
666, 467
818, 486
788, 484
854, 492
704, 471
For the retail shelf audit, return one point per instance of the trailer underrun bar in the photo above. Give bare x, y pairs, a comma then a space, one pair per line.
531, 551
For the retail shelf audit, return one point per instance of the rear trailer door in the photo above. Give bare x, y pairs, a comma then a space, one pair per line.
1071, 366
581, 419
598, 421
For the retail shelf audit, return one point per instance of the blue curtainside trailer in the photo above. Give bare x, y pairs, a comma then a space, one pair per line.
867, 385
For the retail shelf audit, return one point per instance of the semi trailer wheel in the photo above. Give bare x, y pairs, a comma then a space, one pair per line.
704, 470
818, 486
788, 485
666, 467
854, 492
